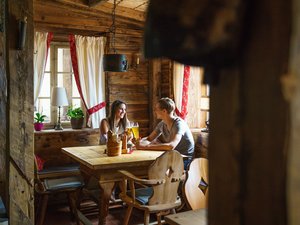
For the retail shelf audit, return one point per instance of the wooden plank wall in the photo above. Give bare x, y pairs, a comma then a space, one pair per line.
48, 144
160, 84
249, 125
20, 118
166, 85
75, 17
3, 108
293, 97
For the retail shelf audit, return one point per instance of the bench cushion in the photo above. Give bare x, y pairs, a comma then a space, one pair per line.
73, 182
60, 169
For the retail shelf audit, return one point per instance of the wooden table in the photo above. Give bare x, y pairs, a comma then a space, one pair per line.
94, 162
192, 217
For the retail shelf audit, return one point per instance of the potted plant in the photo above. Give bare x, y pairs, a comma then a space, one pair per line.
39, 119
76, 116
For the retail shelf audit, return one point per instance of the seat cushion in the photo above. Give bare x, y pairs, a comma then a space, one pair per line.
60, 169
142, 195
63, 183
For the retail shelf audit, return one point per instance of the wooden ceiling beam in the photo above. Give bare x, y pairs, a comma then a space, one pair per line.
105, 8
96, 2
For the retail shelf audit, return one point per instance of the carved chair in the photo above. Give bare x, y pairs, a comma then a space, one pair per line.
195, 187
53, 180
160, 194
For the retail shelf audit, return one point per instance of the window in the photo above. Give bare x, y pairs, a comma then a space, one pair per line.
58, 72
198, 97
198, 104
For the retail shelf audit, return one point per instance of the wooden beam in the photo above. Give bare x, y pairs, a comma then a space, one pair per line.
61, 18
96, 2
104, 8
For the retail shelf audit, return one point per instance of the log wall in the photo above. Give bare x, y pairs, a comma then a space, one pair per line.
20, 111
249, 125
74, 17
48, 143
3, 106
166, 85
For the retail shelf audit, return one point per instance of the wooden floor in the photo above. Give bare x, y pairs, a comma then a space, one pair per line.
59, 214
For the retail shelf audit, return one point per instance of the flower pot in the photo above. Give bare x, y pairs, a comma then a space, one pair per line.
77, 123
38, 126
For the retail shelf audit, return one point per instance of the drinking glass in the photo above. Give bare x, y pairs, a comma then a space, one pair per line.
135, 130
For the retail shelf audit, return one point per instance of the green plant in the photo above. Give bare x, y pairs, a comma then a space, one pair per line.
39, 118
75, 112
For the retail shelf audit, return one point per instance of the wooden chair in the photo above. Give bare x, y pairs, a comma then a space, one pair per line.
59, 180
195, 187
161, 196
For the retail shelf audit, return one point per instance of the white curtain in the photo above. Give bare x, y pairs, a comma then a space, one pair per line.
39, 61
193, 118
90, 52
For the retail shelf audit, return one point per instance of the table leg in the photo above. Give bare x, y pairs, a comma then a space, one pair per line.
105, 194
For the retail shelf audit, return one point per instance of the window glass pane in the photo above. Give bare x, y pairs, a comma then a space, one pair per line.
48, 61
60, 80
60, 60
45, 89
76, 103
64, 60
75, 92
44, 107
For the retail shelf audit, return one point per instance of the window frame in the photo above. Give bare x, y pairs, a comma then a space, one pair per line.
54, 46
204, 92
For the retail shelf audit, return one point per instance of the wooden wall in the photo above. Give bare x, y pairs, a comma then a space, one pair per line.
75, 17
292, 95
249, 125
19, 123
166, 85
3, 107
48, 144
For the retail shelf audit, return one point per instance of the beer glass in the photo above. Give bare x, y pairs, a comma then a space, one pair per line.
135, 130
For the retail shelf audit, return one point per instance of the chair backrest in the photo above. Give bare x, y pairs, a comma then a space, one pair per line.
168, 166
195, 187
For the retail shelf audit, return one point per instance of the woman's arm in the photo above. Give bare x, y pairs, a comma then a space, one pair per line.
104, 128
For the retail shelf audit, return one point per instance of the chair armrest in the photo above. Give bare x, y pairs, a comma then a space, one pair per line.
130, 176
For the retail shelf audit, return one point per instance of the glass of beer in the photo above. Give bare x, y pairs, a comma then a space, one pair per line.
135, 130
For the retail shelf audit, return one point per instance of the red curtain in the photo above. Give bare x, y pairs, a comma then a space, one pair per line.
185, 91
49, 39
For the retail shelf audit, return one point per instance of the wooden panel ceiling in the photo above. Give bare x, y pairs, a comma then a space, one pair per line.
129, 9
140, 5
